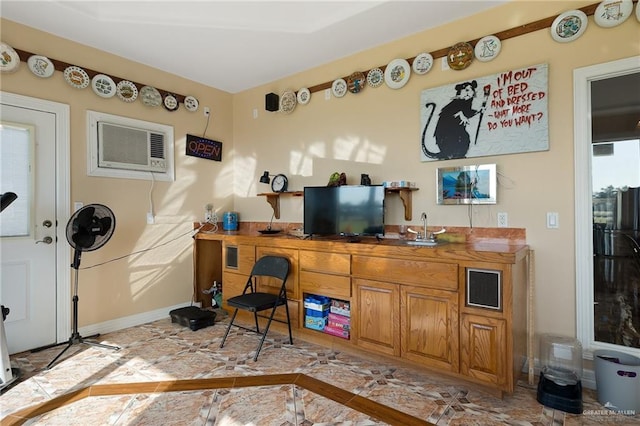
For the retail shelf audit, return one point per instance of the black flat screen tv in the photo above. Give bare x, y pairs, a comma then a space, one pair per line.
344, 210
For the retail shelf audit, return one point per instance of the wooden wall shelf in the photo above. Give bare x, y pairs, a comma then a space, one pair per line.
273, 198
406, 197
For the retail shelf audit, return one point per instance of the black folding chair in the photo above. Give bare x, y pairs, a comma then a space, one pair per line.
255, 301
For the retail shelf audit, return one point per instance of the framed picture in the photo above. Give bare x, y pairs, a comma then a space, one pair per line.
467, 184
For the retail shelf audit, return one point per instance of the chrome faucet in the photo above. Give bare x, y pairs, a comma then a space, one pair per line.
425, 234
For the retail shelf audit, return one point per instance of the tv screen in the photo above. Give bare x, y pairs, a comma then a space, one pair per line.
344, 210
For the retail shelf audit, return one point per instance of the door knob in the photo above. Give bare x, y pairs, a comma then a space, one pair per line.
46, 240
47, 223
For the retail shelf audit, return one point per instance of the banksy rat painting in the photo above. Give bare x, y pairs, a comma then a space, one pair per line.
504, 113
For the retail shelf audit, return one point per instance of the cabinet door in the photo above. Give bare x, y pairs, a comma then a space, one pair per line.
483, 349
429, 327
376, 319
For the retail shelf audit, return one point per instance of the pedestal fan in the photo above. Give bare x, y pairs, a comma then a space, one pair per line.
87, 230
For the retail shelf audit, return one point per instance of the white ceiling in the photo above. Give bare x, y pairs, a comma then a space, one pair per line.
236, 45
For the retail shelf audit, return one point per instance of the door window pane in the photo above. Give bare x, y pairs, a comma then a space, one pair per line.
16, 148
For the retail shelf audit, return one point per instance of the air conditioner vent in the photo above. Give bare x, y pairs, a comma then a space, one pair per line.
128, 148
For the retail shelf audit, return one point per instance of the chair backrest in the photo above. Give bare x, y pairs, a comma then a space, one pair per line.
272, 266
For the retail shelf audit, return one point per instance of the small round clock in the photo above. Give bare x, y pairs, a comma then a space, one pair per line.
279, 183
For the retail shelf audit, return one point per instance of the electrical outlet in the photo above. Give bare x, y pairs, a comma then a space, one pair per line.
503, 220
207, 111
327, 94
150, 219
208, 213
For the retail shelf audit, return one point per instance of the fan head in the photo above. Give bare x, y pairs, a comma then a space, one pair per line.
90, 227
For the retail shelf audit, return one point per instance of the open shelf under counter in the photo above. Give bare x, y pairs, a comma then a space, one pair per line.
273, 198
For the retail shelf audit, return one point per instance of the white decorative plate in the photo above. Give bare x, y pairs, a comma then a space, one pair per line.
288, 101
150, 96
304, 96
127, 91
568, 26
191, 103
103, 86
397, 73
610, 13
487, 48
375, 77
76, 77
339, 87
40, 66
171, 102
9, 59
422, 63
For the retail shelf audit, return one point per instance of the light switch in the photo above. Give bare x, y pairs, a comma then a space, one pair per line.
552, 220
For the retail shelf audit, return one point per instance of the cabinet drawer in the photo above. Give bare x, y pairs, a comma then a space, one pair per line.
415, 272
325, 284
325, 262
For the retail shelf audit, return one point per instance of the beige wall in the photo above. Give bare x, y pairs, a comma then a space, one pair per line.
158, 278
376, 132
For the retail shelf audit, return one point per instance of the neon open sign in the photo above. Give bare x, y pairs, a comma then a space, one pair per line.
204, 148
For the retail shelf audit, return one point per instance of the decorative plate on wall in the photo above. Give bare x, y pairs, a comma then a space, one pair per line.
339, 87
375, 77
127, 91
304, 96
170, 102
191, 103
103, 86
9, 59
568, 26
356, 82
422, 63
397, 73
288, 101
41, 66
460, 56
611, 13
150, 96
487, 48
76, 77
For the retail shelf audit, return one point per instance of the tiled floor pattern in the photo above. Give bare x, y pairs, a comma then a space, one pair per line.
137, 386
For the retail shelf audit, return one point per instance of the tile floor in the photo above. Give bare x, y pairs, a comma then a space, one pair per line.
286, 386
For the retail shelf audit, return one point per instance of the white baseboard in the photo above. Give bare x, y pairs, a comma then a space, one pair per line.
130, 321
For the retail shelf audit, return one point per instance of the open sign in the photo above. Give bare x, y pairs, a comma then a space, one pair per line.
204, 148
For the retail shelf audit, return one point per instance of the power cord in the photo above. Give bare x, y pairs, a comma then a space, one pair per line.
192, 233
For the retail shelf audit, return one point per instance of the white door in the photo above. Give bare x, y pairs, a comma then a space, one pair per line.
29, 226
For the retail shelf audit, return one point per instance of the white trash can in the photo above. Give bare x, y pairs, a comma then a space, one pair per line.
618, 380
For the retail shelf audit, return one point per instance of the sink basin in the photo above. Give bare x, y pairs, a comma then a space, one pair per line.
423, 243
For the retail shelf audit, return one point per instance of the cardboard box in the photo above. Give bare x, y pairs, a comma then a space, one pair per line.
315, 323
336, 331
340, 307
339, 321
317, 303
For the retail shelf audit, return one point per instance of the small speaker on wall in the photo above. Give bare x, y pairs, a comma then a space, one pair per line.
271, 102
484, 289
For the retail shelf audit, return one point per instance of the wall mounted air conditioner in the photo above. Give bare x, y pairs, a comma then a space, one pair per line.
127, 148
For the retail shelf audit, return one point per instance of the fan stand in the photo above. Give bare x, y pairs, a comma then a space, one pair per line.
75, 338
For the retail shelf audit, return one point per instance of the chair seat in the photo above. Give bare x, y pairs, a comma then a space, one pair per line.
254, 301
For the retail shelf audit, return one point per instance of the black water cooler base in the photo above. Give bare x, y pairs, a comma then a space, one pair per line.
566, 398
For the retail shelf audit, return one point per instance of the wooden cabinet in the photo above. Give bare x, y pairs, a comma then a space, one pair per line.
376, 321
408, 302
429, 326
484, 349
